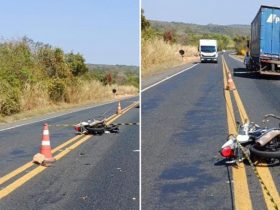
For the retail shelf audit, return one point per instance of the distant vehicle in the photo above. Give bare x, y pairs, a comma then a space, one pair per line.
223, 51
265, 41
208, 50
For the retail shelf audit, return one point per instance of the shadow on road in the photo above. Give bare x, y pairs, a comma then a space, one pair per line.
264, 163
221, 163
257, 162
243, 72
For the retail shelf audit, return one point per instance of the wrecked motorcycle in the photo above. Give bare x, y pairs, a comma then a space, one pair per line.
254, 141
95, 127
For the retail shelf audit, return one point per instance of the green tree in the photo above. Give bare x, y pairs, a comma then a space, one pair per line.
76, 63
145, 24
240, 44
53, 62
147, 31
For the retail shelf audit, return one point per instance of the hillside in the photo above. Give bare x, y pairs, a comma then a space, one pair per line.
121, 74
161, 41
187, 28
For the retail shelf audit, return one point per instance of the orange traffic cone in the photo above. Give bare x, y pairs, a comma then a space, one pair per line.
46, 146
119, 109
230, 85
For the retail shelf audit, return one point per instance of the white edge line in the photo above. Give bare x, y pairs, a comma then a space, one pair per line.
167, 78
16, 126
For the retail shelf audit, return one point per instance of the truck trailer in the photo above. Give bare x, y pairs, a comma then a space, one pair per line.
208, 50
264, 49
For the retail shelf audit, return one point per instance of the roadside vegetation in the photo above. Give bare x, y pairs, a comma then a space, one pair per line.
241, 44
36, 76
160, 51
229, 37
158, 54
161, 41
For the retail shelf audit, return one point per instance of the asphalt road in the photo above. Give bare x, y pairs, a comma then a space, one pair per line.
102, 173
158, 76
260, 95
184, 124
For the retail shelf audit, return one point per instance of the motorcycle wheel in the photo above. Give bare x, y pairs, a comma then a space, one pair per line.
271, 150
96, 130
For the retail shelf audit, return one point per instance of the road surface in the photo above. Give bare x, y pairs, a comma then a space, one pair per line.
101, 173
184, 124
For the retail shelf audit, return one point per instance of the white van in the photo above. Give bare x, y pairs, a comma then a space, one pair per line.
208, 50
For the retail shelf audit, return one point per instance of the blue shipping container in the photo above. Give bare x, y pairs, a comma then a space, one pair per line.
265, 34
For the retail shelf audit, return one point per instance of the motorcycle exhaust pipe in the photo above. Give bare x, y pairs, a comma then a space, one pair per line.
264, 139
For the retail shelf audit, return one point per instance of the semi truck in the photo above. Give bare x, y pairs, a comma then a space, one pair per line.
264, 48
208, 50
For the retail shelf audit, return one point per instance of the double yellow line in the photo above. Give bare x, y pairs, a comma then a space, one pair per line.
63, 150
242, 198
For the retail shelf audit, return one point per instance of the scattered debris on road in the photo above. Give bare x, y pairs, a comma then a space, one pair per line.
84, 197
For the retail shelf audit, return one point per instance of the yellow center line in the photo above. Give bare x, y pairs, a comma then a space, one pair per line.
123, 112
17, 183
66, 143
263, 170
240, 106
25, 178
243, 115
29, 164
242, 199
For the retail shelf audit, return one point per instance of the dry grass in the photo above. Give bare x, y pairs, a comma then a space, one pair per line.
34, 97
158, 55
35, 100
94, 91
87, 91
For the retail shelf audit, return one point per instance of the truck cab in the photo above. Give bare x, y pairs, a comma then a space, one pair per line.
208, 50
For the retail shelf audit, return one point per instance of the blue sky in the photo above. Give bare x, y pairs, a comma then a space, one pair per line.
221, 12
104, 31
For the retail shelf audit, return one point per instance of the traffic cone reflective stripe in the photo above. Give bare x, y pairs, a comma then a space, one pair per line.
46, 133
46, 143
